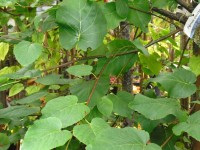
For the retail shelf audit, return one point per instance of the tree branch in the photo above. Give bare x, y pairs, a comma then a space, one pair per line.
163, 38
119, 54
178, 16
185, 5
183, 51
6, 11
166, 141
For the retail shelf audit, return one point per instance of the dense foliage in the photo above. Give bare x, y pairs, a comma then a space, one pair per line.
63, 69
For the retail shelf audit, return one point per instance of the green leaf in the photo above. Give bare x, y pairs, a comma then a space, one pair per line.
52, 79
159, 3
162, 133
27, 52
4, 47
84, 89
32, 89
8, 70
151, 63
140, 47
138, 18
15, 112
191, 126
120, 103
7, 85
45, 134
84, 28
179, 84
146, 124
6, 3
31, 98
66, 109
105, 106
17, 135
126, 139
118, 64
26, 72
155, 109
4, 142
15, 89
49, 22
112, 18
119, 46
86, 133
122, 8
80, 70
194, 65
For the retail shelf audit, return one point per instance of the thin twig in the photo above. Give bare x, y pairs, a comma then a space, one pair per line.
6, 11
166, 141
114, 123
183, 51
163, 38
68, 144
96, 81
120, 54
135, 35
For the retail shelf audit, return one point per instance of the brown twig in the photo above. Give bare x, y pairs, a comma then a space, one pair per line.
183, 51
166, 141
6, 11
178, 17
185, 5
163, 38
119, 54
96, 81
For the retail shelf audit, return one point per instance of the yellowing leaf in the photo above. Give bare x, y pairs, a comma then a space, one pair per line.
4, 47
15, 89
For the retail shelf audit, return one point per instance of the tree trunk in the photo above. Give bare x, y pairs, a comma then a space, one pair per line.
127, 77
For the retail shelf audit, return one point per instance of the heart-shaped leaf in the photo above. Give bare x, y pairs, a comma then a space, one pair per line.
126, 139
81, 23
86, 133
27, 52
66, 109
45, 134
